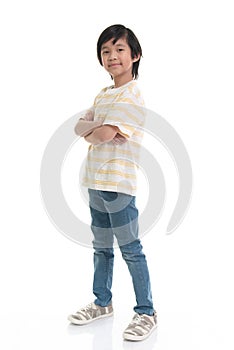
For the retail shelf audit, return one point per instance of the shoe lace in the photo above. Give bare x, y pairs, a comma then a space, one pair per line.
138, 319
87, 308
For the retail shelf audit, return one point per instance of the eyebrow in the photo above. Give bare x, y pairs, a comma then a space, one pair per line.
107, 47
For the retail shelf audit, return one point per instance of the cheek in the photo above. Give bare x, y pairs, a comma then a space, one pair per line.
103, 61
129, 62
127, 59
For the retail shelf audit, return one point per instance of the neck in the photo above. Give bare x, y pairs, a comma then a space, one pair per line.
119, 81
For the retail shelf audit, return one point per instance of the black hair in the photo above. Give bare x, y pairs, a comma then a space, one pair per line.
117, 32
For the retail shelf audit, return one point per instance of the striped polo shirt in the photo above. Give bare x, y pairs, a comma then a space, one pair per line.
111, 167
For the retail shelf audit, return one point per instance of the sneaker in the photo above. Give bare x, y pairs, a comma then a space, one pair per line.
90, 313
140, 327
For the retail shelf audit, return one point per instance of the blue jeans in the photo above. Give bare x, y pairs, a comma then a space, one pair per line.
115, 214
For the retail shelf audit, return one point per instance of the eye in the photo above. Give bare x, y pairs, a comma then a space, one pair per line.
120, 50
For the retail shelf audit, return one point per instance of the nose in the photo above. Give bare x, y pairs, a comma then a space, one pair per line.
112, 56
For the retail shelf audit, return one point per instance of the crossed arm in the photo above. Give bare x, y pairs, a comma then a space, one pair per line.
103, 134
96, 133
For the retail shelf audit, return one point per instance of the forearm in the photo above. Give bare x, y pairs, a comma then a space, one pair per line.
103, 134
85, 127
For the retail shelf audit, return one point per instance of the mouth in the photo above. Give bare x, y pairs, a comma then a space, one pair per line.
114, 65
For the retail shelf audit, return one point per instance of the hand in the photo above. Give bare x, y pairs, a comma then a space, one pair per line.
89, 116
119, 139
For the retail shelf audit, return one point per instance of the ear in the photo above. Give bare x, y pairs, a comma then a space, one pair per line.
136, 58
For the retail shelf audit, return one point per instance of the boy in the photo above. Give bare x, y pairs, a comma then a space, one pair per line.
113, 128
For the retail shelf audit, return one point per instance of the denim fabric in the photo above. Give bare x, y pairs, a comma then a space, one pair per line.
115, 214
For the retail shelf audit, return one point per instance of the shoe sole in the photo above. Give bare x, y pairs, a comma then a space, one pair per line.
131, 337
83, 322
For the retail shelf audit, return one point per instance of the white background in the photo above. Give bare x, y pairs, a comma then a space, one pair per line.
49, 72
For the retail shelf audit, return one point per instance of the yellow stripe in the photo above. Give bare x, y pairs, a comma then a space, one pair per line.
128, 127
137, 105
122, 162
114, 172
129, 114
115, 97
119, 107
119, 99
114, 161
138, 133
119, 153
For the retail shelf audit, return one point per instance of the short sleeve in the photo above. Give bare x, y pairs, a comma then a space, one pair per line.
127, 112
127, 117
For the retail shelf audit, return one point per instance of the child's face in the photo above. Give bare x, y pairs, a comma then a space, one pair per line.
117, 60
